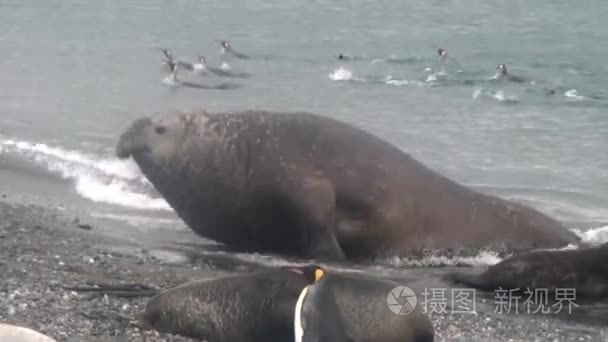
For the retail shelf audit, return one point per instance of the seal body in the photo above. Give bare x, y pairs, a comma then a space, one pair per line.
242, 308
311, 186
260, 306
362, 302
349, 308
584, 270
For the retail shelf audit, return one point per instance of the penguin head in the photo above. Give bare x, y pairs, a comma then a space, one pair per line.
502, 69
313, 273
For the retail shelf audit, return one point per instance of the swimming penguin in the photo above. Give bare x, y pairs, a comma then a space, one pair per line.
226, 49
443, 56
223, 71
442, 53
503, 73
167, 54
201, 66
172, 78
317, 317
168, 61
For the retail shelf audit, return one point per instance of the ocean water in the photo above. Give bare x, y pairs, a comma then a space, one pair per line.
76, 73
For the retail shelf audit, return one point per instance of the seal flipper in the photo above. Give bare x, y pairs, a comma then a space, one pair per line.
315, 208
122, 290
325, 246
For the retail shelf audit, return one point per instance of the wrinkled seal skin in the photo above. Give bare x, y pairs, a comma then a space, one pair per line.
249, 307
585, 270
259, 306
362, 303
306, 185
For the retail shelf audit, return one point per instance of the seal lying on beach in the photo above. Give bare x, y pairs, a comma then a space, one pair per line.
311, 186
582, 269
248, 307
259, 306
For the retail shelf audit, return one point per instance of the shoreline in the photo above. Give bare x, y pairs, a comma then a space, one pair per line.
42, 251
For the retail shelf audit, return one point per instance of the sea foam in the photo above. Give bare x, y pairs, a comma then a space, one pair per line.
96, 178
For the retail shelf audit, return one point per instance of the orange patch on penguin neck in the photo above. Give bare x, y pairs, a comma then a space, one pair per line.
319, 273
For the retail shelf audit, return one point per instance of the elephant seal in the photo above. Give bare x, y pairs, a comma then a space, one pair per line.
502, 73
305, 185
582, 269
14, 333
317, 317
254, 306
260, 306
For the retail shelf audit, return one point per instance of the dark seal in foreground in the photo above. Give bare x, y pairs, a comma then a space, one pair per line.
260, 306
583, 270
311, 186
249, 307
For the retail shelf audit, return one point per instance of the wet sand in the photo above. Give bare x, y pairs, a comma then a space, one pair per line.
43, 251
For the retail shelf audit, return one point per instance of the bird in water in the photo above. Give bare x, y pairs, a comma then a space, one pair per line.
226, 49
201, 66
504, 74
443, 54
168, 61
172, 78
167, 54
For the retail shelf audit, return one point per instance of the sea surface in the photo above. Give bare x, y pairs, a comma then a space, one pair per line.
76, 73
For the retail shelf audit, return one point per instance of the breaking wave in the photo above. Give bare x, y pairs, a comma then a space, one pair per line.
96, 178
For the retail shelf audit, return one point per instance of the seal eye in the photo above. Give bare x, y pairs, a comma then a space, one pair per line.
159, 129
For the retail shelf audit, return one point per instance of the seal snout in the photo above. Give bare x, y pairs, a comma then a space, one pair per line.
130, 141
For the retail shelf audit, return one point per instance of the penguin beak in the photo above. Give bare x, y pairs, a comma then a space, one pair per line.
131, 141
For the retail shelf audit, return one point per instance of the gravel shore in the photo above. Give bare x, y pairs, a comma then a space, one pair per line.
42, 253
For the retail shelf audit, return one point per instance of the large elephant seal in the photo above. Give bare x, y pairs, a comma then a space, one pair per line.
260, 306
312, 186
584, 270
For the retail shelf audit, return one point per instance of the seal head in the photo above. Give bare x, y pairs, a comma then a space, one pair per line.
148, 140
